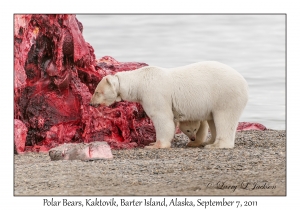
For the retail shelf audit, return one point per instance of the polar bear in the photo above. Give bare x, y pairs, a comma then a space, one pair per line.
190, 128
204, 91
196, 131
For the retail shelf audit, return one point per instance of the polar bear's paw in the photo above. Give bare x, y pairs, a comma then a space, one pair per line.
193, 144
158, 145
151, 147
211, 146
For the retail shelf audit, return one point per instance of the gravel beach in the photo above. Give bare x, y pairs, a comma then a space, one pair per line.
256, 166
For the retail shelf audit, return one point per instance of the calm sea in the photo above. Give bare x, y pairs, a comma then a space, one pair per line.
252, 44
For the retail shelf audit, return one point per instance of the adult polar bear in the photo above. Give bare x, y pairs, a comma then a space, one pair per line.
208, 90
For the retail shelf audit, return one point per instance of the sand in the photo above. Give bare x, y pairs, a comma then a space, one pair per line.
256, 166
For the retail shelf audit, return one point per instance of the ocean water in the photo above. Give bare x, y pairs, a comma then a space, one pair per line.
254, 45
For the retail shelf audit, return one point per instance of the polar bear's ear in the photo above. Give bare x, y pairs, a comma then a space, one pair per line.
108, 80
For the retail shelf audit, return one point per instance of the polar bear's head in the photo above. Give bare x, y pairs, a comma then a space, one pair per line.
189, 128
106, 92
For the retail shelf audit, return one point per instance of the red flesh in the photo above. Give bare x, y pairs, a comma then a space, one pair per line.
243, 126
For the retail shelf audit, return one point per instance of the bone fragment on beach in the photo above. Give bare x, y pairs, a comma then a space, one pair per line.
81, 151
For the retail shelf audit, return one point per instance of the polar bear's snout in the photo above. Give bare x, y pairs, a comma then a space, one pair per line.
94, 102
94, 105
193, 138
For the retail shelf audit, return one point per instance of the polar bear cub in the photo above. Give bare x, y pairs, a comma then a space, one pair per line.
196, 131
205, 91
190, 128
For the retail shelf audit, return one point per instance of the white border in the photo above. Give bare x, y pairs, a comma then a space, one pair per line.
155, 6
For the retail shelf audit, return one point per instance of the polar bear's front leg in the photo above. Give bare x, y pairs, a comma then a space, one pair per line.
165, 130
200, 136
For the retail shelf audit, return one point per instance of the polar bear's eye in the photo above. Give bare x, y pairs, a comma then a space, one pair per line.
195, 130
188, 131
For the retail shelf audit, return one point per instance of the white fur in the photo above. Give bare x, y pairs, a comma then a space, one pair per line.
196, 131
190, 128
205, 91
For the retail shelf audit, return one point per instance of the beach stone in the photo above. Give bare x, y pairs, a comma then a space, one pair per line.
81, 151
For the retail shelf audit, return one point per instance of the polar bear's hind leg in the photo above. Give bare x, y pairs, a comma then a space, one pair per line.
225, 127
